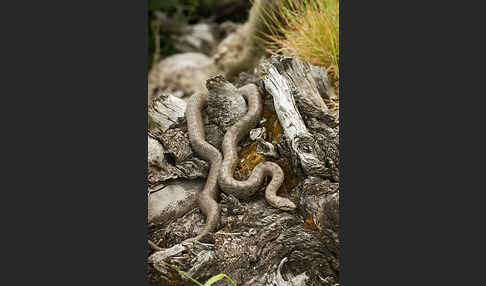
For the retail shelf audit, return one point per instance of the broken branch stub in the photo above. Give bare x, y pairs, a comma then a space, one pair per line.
225, 103
285, 79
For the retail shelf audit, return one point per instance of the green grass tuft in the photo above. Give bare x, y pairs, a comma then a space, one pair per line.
210, 281
308, 29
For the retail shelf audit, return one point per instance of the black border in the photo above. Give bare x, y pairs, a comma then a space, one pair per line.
77, 155
76, 144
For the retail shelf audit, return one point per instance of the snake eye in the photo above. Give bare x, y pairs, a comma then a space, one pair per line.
289, 206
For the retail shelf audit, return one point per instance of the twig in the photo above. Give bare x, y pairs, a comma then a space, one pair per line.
155, 246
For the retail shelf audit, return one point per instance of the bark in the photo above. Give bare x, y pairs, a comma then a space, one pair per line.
170, 155
322, 82
172, 200
225, 103
251, 245
294, 91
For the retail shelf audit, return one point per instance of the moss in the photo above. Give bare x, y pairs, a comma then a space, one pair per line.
272, 125
310, 224
247, 161
248, 158
274, 130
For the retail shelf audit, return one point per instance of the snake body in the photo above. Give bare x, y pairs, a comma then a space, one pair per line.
207, 197
245, 189
221, 171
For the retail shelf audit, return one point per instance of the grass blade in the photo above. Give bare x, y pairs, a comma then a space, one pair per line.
218, 277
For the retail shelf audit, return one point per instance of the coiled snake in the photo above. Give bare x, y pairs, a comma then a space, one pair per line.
221, 171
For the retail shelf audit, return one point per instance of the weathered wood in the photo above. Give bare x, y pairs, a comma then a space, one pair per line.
319, 206
256, 244
172, 201
322, 82
159, 170
286, 79
225, 103
169, 152
164, 110
328, 140
276, 278
254, 241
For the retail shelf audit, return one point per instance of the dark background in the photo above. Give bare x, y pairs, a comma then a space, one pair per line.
74, 143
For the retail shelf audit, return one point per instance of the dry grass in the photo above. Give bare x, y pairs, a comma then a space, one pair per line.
308, 29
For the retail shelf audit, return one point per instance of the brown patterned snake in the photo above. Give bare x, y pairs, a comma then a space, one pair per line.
221, 172
207, 197
245, 189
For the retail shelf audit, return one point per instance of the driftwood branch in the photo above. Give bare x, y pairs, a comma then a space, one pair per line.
287, 80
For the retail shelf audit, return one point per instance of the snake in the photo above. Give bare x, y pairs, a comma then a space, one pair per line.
245, 189
221, 170
207, 197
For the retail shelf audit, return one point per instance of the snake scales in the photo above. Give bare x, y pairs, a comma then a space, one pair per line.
221, 170
207, 197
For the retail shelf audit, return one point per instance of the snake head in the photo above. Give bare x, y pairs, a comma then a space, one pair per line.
286, 205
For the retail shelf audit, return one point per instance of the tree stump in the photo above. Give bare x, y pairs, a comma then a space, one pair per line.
255, 243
